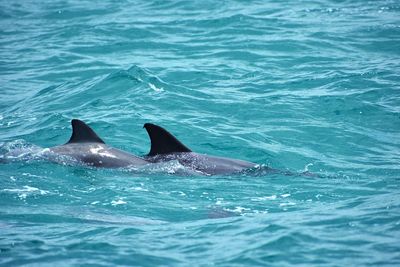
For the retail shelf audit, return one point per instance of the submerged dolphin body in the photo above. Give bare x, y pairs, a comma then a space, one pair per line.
165, 147
86, 147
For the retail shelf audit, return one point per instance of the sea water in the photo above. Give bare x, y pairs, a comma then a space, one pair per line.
301, 86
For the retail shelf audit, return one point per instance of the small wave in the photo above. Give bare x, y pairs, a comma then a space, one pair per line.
138, 76
19, 150
26, 191
263, 170
22, 151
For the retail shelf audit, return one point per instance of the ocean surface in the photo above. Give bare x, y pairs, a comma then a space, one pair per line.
310, 88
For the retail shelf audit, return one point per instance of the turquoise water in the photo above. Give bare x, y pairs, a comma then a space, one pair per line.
303, 86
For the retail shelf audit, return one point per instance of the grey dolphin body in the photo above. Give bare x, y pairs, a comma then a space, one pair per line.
86, 147
165, 147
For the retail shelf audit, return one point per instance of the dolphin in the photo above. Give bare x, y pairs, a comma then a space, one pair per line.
86, 147
166, 147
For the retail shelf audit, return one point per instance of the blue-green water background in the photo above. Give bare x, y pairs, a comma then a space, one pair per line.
301, 85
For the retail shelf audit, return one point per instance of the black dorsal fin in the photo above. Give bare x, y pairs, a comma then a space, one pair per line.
162, 142
82, 133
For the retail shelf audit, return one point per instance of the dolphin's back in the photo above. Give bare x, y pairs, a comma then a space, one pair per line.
205, 164
165, 146
98, 155
86, 147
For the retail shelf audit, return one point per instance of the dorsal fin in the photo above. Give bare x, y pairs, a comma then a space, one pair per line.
162, 142
82, 133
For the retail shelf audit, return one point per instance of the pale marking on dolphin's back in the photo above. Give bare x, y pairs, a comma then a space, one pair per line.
101, 152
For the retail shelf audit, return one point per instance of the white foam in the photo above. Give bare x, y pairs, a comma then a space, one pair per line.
287, 204
118, 202
138, 188
26, 190
273, 197
152, 86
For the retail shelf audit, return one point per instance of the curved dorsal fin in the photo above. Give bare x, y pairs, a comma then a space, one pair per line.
162, 142
82, 133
